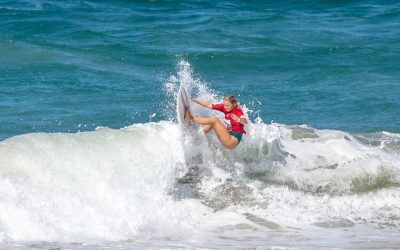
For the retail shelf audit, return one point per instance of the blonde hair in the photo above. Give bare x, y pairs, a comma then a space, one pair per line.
230, 98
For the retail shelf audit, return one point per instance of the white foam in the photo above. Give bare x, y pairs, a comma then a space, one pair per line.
107, 184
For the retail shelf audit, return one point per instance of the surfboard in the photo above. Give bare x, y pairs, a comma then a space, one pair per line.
183, 105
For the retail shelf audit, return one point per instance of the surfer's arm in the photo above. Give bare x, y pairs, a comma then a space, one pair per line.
202, 103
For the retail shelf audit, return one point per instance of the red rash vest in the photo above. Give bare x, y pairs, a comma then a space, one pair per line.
232, 125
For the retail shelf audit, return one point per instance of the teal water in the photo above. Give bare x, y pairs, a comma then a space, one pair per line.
76, 65
125, 176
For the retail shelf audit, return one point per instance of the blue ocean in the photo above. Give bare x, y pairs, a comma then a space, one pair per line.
92, 156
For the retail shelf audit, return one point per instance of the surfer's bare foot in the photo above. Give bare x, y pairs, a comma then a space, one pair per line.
188, 117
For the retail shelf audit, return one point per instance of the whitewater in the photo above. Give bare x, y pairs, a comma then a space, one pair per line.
154, 185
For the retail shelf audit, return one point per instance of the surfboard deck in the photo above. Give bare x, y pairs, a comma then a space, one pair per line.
183, 106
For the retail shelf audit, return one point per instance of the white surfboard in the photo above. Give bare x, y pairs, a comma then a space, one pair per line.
183, 105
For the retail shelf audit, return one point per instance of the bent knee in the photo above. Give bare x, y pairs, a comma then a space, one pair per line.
214, 119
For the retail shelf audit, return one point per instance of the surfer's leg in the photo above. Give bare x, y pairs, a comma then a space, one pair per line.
223, 135
204, 121
207, 128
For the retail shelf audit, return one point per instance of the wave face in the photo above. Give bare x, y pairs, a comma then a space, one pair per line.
154, 181
107, 184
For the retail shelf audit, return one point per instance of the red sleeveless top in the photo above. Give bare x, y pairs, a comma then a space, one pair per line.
232, 125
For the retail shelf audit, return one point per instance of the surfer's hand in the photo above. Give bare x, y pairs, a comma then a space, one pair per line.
235, 118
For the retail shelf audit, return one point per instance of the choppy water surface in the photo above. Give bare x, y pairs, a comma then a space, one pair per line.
91, 156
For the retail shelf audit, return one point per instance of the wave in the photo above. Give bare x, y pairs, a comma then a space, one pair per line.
155, 181
98, 185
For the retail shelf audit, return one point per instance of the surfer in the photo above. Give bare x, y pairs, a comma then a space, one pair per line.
230, 133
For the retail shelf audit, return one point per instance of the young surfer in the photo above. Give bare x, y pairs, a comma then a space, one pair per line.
229, 133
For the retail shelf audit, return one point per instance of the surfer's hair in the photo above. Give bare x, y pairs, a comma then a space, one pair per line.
230, 98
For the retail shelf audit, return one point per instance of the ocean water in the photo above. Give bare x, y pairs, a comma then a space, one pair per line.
92, 157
